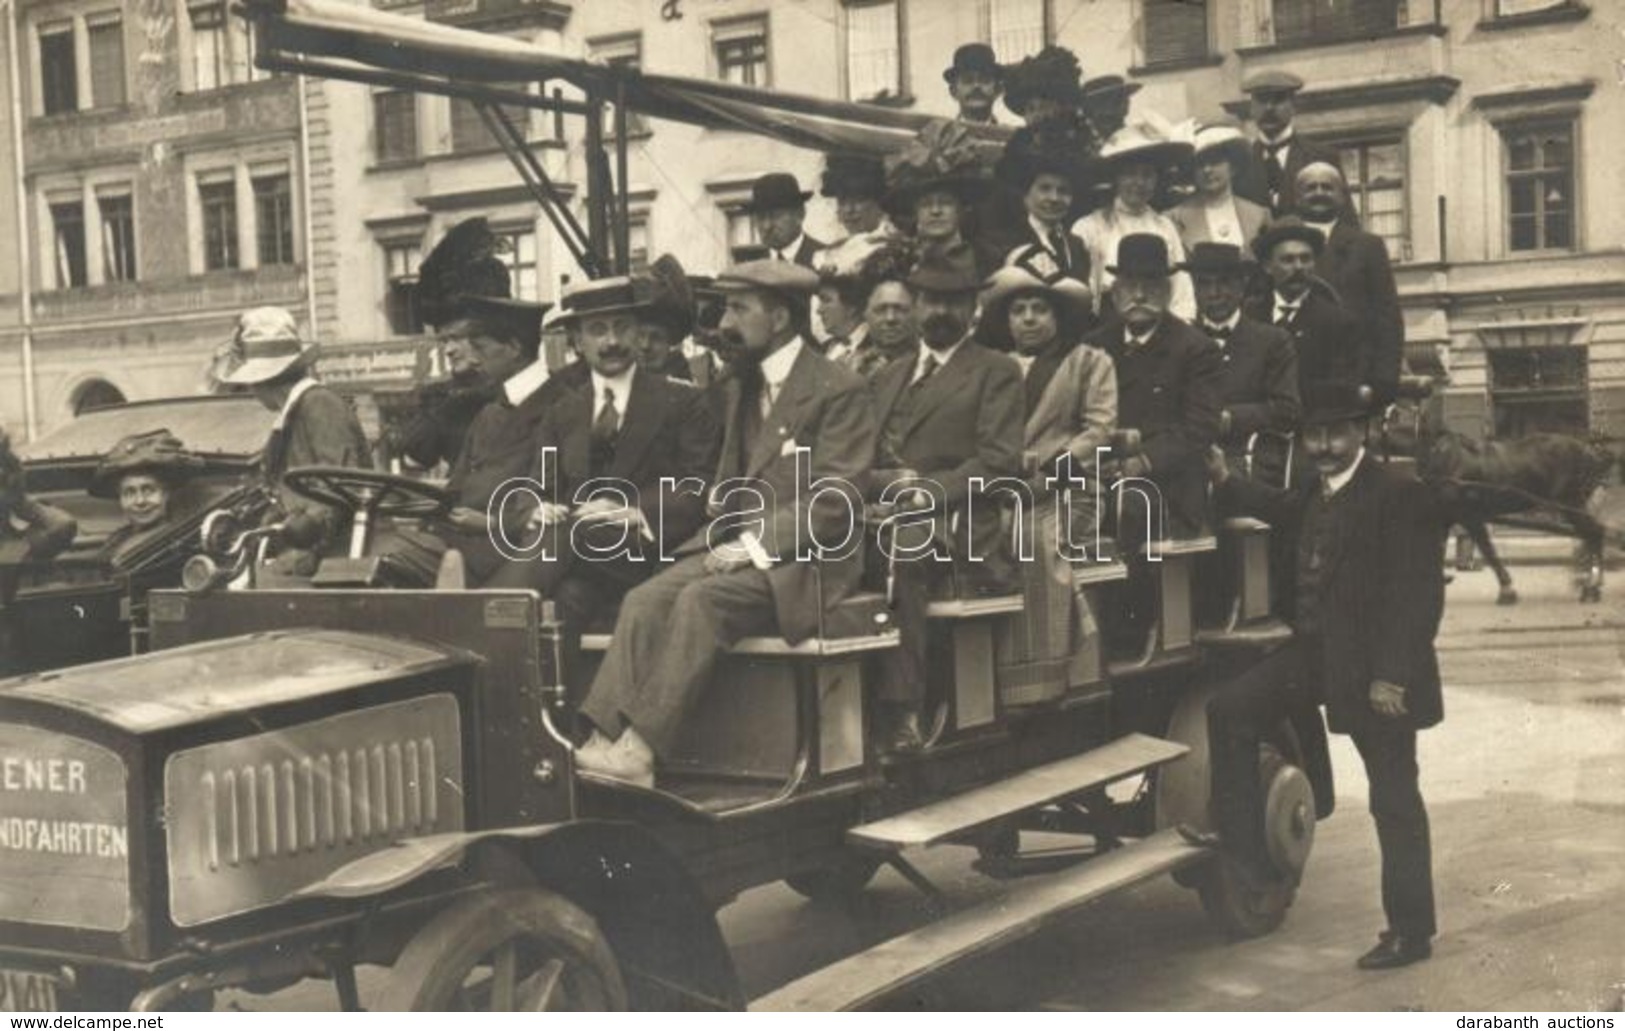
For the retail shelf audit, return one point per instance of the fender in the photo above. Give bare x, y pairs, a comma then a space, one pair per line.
660, 925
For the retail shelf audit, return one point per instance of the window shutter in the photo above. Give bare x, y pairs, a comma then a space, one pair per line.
1175, 30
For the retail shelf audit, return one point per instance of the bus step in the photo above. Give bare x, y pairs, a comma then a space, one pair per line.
930, 824
871, 975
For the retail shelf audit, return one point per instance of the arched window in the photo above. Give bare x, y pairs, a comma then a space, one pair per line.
94, 394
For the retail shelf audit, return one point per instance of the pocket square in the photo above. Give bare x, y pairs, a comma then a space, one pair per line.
789, 448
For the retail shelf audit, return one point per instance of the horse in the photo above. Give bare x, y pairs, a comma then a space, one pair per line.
1552, 480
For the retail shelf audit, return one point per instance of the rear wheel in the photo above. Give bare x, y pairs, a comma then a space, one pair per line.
1249, 903
522, 949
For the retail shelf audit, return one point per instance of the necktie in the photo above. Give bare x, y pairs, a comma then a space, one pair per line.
1285, 314
897, 422
1217, 332
751, 391
1057, 243
930, 366
608, 422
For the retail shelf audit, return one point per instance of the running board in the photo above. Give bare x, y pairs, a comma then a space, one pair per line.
875, 973
1041, 785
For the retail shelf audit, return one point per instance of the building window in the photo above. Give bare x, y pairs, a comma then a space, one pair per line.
59, 76
217, 202
1508, 8
468, 132
741, 228
1329, 21
520, 257
273, 213
106, 35
395, 125
637, 241
1017, 28
117, 210
1540, 187
1174, 31
68, 243
874, 57
621, 52
401, 260
1539, 390
1375, 172
222, 48
741, 51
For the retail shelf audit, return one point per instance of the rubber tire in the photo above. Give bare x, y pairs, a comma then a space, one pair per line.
435, 962
1240, 909
840, 882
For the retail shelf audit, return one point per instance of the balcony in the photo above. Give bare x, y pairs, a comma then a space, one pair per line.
214, 291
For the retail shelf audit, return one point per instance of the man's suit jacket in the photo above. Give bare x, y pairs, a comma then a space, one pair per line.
826, 409
321, 429
1260, 384
1253, 180
807, 253
1355, 263
1191, 219
963, 423
1168, 389
1382, 592
1324, 337
668, 433
499, 447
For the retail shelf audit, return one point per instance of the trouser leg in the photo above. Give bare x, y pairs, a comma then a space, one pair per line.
902, 669
1240, 715
640, 630
1389, 754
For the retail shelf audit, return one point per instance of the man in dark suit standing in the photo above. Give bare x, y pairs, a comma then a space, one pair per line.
1324, 335
1355, 263
1259, 388
1168, 383
1369, 597
778, 208
653, 438
792, 419
1279, 153
951, 413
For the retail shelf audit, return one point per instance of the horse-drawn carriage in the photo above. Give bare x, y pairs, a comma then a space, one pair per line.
304, 776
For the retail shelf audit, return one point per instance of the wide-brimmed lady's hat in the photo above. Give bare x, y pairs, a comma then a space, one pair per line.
943, 158
1222, 140
1053, 73
156, 453
465, 278
1026, 276
266, 345
1289, 227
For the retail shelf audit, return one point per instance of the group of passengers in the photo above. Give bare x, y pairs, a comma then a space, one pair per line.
1005, 307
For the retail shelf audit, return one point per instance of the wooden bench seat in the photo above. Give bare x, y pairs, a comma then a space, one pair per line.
778, 646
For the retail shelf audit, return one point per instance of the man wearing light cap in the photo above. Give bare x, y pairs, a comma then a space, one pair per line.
792, 418
1279, 153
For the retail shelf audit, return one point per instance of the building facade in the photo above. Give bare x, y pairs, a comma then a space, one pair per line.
158, 190
1477, 135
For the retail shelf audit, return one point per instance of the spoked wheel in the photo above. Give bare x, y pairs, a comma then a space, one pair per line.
1248, 903
521, 949
840, 881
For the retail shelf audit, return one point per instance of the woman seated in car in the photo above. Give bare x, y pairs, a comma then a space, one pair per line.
1036, 312
142, 472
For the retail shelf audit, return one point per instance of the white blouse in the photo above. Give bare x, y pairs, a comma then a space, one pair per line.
1102, 230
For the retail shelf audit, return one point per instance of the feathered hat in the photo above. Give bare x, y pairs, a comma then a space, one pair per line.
464, 277
1053, 72
944, 156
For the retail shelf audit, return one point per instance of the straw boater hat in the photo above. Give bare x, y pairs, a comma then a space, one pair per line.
157, 453
1026, 275
662, 294
266, 345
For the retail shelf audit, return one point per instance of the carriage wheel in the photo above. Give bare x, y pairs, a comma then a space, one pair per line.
521, 949
1250, 904
840, 881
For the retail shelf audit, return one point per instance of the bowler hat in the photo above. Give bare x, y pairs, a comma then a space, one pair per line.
1289, 227
157, 452
1213, 258
776, 190
266, 345
973, 57
1102, 86
1328, 401
1143, 255
854, 175
1272, 82
939, 276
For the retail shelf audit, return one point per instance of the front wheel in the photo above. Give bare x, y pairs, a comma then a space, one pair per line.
522, 949
1248, 903
839, 882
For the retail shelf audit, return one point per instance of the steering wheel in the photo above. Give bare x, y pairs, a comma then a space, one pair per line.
362, 490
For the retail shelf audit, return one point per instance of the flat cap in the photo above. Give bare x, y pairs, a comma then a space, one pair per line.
1272, 82
785, 278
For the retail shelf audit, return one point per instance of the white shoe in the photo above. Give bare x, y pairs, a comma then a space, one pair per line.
628, 760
